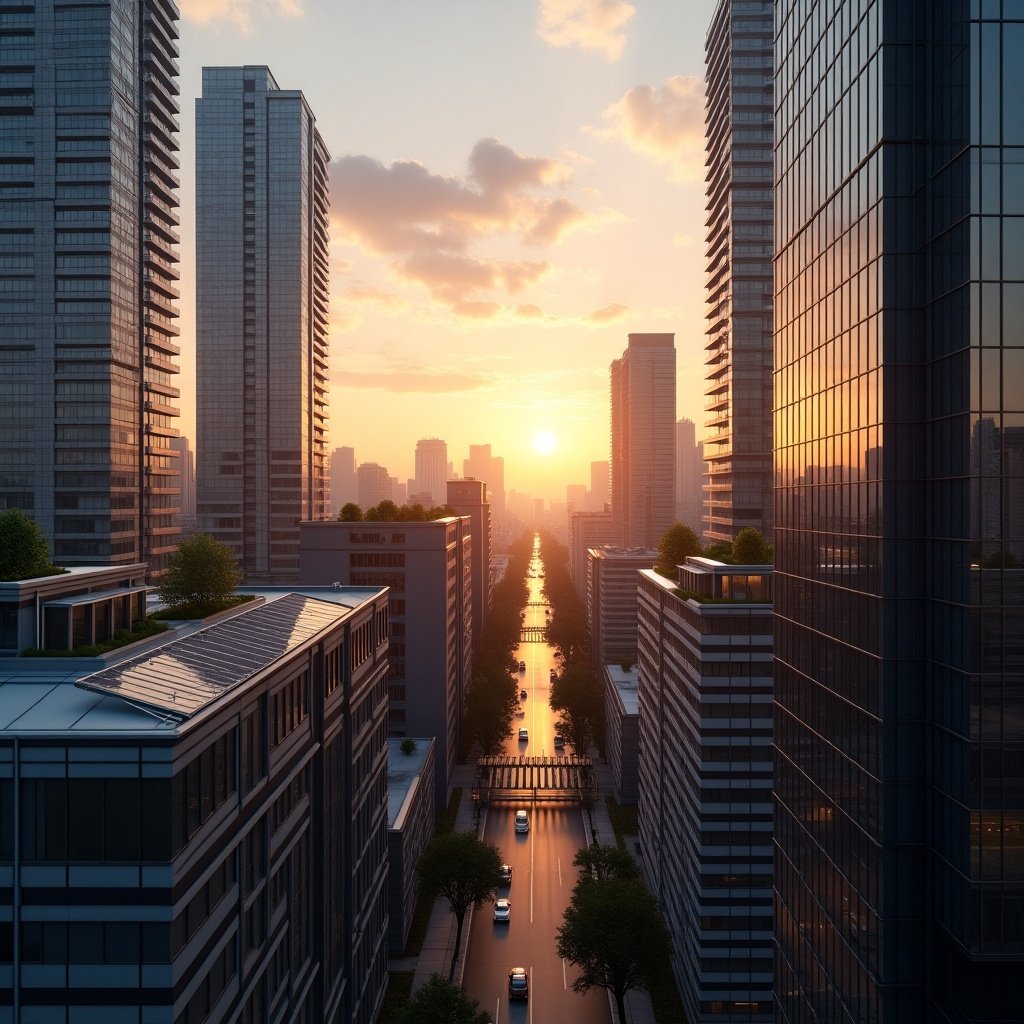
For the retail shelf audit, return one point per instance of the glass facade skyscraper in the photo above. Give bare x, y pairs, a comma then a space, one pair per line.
899, 411
738, 241
88, 272
261, 317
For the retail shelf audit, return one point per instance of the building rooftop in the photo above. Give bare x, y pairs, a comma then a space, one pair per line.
404, 770
625, 684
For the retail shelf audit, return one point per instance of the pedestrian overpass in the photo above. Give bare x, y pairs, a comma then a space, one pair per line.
533, 635
506, 777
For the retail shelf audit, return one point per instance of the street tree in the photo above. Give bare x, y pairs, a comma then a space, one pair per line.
612, 931
202, 572
678, 543
603, 862
464, 870
576, 694
441, 1002
490, 705
24, 553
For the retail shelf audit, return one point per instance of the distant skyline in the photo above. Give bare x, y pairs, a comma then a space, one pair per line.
487, 224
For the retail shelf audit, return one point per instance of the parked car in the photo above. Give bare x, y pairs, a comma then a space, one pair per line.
524, 735
522, 666
518, 983
559, 741
505, 874
502, 911
522, 695
522, 821
554, 675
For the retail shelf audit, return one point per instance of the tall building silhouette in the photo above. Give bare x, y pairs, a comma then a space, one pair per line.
88, 272
738, 242
643, 418
689, 475
899, 867
600, 492
261, 317
432, 469
482, 465
343, 485
373, 485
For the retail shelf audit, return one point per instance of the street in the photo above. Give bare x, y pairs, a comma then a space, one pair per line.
542, 872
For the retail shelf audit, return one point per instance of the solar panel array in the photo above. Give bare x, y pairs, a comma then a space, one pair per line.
186, 675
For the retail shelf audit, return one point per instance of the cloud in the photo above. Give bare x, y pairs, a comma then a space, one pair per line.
404, 381
595, 25
239, 13
529, 311
431, 227
665, 124
606, 314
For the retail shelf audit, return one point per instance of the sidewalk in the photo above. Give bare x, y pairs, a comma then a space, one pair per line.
436, 955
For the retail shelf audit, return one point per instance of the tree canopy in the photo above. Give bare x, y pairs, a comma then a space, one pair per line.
442, 1002
350, 512
464, 870
678, 543
24, 553
388, 512
202, 572
750, 548
604, 862
612, 931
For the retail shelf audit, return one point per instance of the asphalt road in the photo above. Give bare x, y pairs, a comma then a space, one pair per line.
542, 876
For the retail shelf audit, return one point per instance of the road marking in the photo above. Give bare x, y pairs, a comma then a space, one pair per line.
559, 872
497, 1010
531, 875
531, 1001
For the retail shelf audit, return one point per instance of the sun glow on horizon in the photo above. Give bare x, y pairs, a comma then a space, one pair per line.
544, 442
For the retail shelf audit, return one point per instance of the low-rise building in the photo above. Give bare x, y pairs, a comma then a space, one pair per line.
199, 832
612, 579
705, 787
410, 828
622, 730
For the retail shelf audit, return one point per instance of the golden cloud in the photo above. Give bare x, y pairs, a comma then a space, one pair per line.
595, 25
606, 314
239, 13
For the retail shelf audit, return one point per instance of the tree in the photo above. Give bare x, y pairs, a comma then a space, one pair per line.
613, 933
490, 705
677, 544
604, 862
750, 548
462, 869
350, 513
24, 553
202, 572
441, 1002
577, 694
385, 511
721, 551
407, 746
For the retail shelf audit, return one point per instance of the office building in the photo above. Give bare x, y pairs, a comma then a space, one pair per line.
899, 601
689, 476
428, 568
643, 452
482, 465
611, 600
344, 487
88, 278
373, 485
738, 243
261, 318
576, 498
600, 491
186, 484
432, 469
469, 498
588, 530
199, 832
705, 781
622, 730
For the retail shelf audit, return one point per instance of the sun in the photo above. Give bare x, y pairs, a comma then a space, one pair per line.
544, 442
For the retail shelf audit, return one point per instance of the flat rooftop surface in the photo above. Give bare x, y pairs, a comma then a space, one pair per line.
403, 770
625, 684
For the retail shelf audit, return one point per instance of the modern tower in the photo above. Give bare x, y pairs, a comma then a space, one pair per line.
599, 489
343, 486
899, 597
261, 317
88, 272
482, 465
689, 475
432, 468
643, 449
738, 346
373, 485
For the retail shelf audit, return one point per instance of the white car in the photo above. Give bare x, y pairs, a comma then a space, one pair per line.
522, 821
524, 735
502, 911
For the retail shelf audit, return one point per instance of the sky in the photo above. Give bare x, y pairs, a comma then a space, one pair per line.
516, 185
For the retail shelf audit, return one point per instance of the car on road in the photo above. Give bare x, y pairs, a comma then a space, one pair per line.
554, 675
518, 983
522, 821
524, 735
522, 695
559, 741
505, 874
502, 911
522, 666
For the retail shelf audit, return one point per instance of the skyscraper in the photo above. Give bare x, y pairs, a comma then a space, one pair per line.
689, 475
643, 450
899, 385
599, 491
432, 468
373, 485
343, 486
738, 385
482, 465
261, 317
88, 299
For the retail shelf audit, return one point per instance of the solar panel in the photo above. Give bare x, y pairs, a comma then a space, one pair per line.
186, 675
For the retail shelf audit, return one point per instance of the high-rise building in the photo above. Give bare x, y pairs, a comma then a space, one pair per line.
261, 317
899, 599
612, 578
431, 617
373, 485
704, 805
343, 486
689, 475
738, 384
469, 498
432, 469
482, 465
600, 493
643, 449
576, 497
187, 483
88, 272
588, 530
